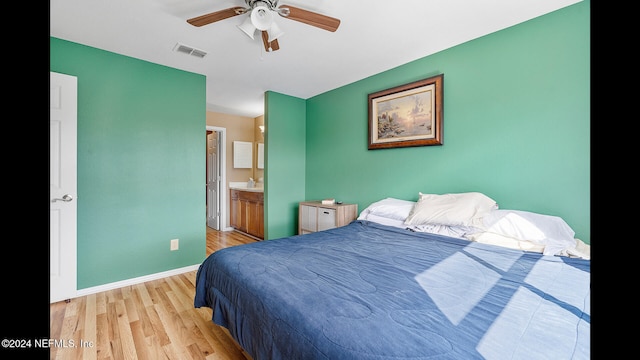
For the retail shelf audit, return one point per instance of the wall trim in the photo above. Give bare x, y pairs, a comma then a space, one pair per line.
135, 281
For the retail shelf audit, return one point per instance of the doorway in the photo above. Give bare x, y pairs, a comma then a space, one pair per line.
216, 177
63, 186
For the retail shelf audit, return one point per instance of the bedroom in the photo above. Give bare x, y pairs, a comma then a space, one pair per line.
517, 127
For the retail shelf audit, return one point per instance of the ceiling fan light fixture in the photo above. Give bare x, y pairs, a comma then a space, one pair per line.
261, 17
274, 32
248, 28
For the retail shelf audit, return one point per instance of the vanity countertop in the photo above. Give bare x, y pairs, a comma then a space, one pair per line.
243, 186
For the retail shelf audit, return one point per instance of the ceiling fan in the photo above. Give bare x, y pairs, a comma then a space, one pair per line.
261, 18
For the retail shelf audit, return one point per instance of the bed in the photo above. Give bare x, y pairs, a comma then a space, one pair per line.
379, 289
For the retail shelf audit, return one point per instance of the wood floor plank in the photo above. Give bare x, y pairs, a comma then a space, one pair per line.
151, 290
90, 329
101, 302
205, 349
174, 327
124, 329
154, 320
156, 349
131, 308
222, 343
174, 353
113, 295
194, 351
142, 317
56, 319
67, 333
143, 345
103, 343
114, 330
177, 297
126, 292
143, 295
157, 325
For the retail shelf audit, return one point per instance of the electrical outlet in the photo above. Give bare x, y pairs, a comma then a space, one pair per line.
174, 244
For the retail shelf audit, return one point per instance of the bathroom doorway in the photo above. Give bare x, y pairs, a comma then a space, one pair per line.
215, 177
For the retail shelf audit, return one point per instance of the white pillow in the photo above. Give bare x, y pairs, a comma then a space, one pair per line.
505, 241
384, 221
391, 208
550, 232
463, 209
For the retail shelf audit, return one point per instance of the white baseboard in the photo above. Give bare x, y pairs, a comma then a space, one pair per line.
134, 281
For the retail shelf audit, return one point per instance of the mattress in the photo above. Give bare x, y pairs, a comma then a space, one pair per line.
372, 291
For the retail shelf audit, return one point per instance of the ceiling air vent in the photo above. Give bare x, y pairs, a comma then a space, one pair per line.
181, 48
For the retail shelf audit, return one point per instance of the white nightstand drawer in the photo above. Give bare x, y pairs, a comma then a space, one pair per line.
308, 216
326, 219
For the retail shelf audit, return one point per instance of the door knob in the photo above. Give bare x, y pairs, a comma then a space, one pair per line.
65, 198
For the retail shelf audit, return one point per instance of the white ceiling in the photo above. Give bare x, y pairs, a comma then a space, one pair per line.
374, 36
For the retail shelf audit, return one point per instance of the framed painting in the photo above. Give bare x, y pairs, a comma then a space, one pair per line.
407, 115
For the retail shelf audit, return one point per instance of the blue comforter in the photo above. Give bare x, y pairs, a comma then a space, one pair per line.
370, 291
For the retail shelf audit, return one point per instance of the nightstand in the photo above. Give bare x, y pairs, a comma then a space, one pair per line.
314, 216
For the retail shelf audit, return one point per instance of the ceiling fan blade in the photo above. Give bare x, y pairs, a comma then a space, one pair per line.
273, 45
311, 18
216, 16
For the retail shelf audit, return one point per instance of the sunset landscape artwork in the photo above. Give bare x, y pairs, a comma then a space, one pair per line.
405, 116
408, 115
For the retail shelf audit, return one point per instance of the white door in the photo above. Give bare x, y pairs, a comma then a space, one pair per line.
63, 118
213, 180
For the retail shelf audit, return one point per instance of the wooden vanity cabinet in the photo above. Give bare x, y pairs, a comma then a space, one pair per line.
247, 212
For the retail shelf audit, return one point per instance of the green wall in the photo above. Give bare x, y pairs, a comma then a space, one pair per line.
141, 156
285, 130
516, 125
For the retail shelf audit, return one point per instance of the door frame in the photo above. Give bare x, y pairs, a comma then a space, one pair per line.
213, 161
222, 155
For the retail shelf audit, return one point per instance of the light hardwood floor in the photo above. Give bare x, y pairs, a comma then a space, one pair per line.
153, 320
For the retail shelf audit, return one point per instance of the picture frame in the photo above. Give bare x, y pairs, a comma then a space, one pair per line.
407, 115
